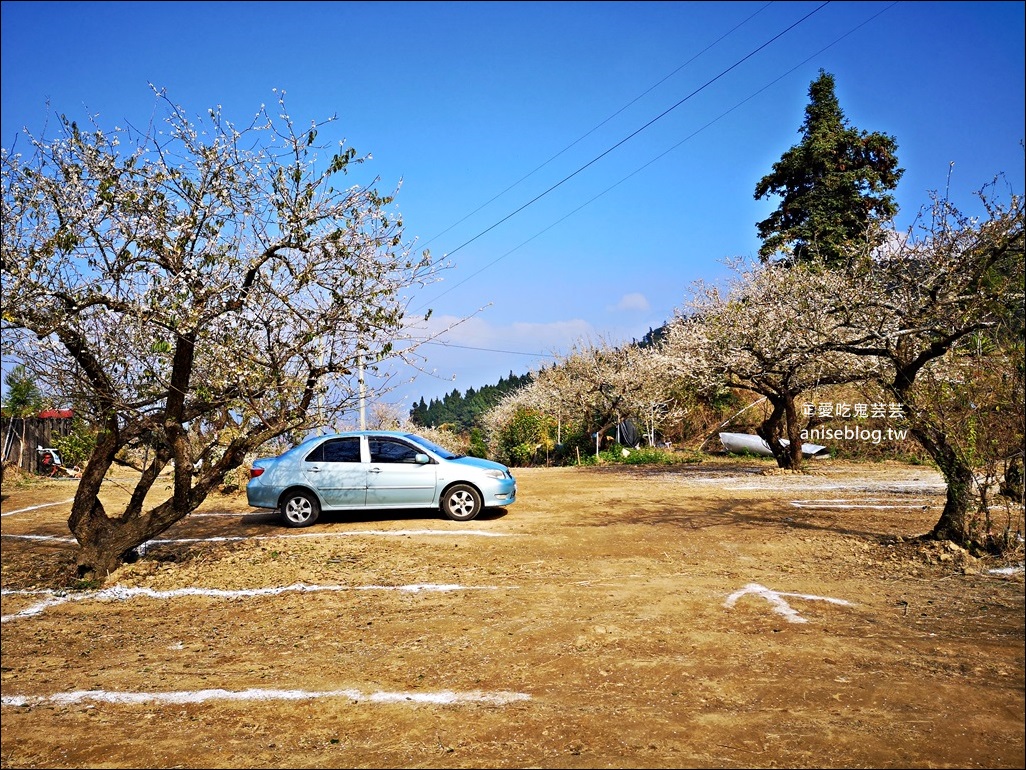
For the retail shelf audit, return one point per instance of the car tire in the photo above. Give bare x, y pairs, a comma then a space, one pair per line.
299, 508
461, 502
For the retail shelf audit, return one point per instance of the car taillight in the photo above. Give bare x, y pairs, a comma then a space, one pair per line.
254, 472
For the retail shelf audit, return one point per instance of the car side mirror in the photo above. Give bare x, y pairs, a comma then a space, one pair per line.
421, 459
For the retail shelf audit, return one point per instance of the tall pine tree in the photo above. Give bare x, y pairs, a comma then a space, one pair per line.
834, 185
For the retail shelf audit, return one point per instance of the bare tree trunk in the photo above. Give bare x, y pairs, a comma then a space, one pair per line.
88, 521
953, 523
783, 419
954, 520
105, 542
795, 457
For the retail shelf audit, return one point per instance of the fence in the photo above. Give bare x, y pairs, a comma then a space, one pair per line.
22, 435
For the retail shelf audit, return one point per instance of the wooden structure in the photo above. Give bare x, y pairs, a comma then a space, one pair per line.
23, 435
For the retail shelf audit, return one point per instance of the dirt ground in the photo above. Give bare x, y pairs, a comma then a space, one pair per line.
712, 615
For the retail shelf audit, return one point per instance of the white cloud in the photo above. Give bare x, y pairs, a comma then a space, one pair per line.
635, 301
519, 336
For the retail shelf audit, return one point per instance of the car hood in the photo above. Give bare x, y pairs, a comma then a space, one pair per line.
477, 462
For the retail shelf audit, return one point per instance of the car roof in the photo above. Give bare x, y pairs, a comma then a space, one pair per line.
356, 433
349, 433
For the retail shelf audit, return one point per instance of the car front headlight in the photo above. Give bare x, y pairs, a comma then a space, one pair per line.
495, 474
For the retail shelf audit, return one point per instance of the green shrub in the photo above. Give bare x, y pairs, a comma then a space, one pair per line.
619, 455
478, 445
525, 436
76, 447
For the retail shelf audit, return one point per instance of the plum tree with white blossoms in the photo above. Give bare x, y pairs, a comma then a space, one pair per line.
765, 332
934, 321
594, 387
942, 315
195, 291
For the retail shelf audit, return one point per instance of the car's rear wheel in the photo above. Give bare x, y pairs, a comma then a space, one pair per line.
299, 508
461, 502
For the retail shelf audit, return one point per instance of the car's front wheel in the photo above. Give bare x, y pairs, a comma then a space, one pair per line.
461, 502
299, 508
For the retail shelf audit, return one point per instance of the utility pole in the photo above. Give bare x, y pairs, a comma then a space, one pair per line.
363, 394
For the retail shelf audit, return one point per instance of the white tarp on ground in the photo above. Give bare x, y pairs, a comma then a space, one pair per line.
746, 442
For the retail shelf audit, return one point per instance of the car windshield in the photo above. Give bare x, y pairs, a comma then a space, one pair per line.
441, 451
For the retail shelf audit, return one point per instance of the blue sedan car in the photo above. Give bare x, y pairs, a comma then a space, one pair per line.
363, 470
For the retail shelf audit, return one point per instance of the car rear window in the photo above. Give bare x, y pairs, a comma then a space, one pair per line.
339, 450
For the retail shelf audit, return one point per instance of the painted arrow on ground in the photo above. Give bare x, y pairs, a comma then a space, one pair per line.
775, 599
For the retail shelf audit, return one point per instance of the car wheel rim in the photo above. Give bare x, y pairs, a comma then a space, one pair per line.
298, 510
461, 504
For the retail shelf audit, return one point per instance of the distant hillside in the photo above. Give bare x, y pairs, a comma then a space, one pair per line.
463, 410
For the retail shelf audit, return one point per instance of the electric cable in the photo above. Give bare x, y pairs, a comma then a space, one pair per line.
630, 136
641, 168
597, 127
667, 151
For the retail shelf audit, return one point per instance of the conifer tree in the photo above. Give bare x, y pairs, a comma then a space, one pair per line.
834, 186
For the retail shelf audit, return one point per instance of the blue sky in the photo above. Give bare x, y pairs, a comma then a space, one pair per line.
631, 134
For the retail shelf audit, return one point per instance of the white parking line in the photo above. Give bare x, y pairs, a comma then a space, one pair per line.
372, 532
122, 593
443, 697
238, 538
777, 604
55, 538
865, 504
34, 507
782, 487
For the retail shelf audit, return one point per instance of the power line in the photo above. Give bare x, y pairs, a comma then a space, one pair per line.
630, 136
597, 127
646, 165
627, 138
492, 350
671, 149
